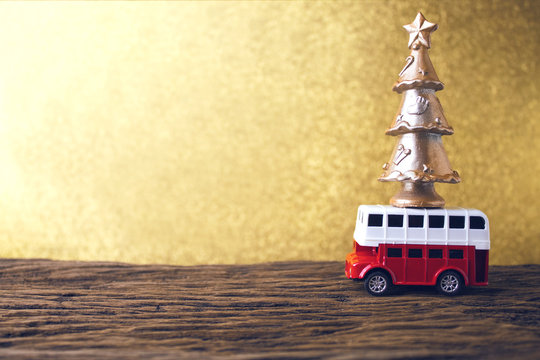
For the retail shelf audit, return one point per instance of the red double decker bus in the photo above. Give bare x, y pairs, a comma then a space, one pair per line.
448, 248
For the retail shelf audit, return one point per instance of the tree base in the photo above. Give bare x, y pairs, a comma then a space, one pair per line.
417, 195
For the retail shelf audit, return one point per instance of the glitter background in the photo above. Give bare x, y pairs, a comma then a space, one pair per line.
239, 132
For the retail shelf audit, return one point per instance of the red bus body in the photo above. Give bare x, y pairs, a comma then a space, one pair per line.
422, 270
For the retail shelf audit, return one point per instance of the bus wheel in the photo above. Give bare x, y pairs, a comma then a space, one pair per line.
378, 283
450, 283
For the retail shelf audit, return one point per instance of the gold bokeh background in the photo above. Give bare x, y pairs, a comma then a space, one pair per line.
240, 132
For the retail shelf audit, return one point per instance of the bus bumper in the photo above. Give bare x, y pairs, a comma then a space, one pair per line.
354, 266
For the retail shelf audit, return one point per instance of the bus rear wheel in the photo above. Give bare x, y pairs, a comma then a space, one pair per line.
450, 283
378, 283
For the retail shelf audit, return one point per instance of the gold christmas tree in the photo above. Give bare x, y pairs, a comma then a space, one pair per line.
419, 158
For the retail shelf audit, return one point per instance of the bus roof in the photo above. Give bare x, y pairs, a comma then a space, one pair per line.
374, 235
389, 209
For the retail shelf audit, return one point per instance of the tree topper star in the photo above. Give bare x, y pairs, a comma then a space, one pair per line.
420, 31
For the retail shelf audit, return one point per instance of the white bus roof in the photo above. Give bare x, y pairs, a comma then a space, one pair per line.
389, 209
383, 234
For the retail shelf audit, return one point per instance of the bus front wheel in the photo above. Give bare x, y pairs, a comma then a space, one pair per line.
378, 283
450, 283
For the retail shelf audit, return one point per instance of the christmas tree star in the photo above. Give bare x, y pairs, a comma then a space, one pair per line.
420, 31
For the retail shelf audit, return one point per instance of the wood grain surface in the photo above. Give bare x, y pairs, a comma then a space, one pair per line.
82, 310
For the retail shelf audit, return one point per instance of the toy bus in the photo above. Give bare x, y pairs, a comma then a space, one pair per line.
448, 248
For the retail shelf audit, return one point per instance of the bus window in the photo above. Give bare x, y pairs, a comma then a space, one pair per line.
395, 220
457, 222
436, 221
394, 252
415, 253
416, 221
374, 220
435, 253
477, 222
455, 254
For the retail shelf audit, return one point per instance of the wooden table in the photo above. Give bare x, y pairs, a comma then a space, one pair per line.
81, 310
